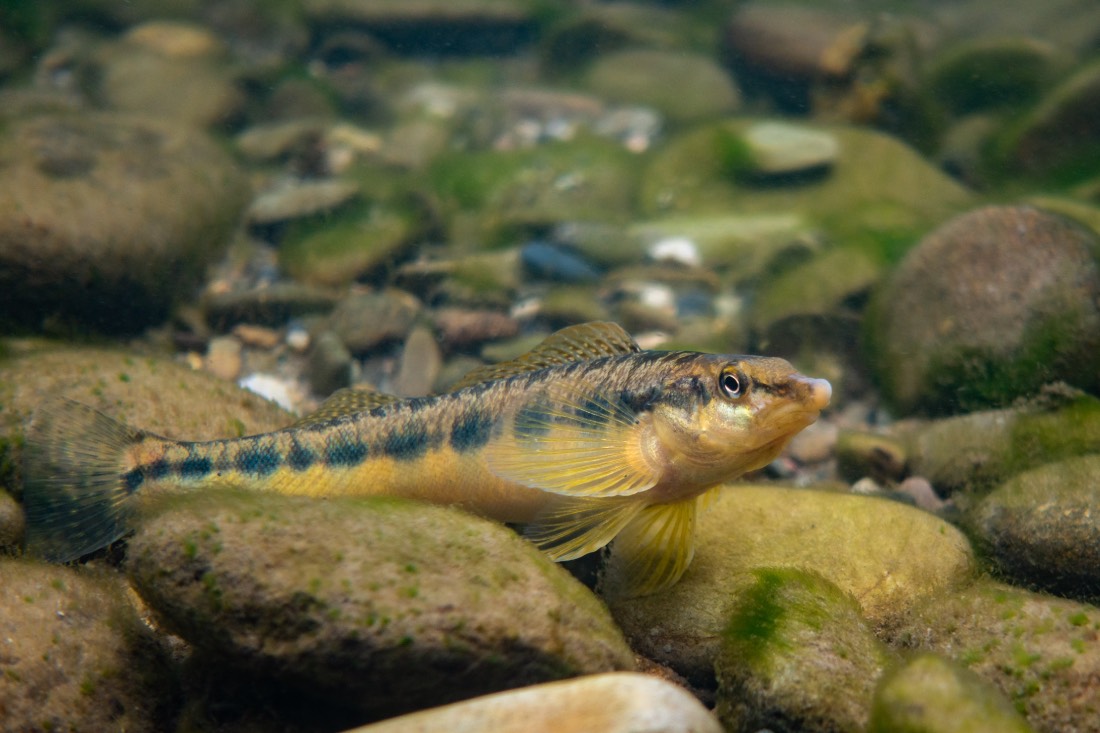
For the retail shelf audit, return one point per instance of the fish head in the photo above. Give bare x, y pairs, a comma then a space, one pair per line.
726, 415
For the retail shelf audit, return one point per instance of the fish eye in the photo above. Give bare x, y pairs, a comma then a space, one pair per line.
730, 383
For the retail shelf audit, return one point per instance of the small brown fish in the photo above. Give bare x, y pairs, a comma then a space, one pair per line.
585, 439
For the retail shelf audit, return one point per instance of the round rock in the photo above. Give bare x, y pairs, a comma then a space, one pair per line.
887, 555
989, 307
1042, 526
75, 655
384, 605
105, 219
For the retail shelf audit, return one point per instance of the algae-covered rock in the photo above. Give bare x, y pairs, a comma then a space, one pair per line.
988, 72
172, 70
797, 655
930, 694
340, 251
1059, 134
886, 555
586, 179
1039, 650
383, 605
879, 193
818, 286
979, 450
685, 87
1041, 526
76, 656
105, 219
151, 393
617, 702
989, 307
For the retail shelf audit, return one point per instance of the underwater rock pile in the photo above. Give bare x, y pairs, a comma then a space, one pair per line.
205, 211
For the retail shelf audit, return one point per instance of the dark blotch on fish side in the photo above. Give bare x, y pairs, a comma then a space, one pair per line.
156, 470
345, 453
471, 431
408, 444
194, 467
259, 459
133, 480
300, 458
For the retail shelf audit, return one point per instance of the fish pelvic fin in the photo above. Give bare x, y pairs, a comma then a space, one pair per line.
573, 527
653, 550
76, 497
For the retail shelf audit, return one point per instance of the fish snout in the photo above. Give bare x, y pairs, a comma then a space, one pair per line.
819, 392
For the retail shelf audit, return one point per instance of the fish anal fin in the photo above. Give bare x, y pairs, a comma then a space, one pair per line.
346, 401
575, 439
653, 550
575, 343
573, 527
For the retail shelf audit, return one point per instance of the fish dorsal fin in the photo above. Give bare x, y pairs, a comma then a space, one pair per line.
575, 343
653, 550
571, 437
572, 527
346, 401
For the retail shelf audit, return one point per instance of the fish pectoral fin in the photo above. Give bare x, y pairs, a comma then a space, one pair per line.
575, 343
573, 527
653, 550
577, 440
346, 401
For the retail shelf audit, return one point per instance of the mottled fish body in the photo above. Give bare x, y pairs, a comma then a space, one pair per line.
583, 439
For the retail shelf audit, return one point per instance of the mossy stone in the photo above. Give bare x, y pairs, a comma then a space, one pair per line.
1038, 650
864, 545
988, 308
1041, 527
685, 87
383, 605
76, 654
979, 450
878, 188
931, 694
797, 654
349, 247
981, 73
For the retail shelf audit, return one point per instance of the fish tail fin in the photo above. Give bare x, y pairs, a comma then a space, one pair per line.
76, 495
654, 550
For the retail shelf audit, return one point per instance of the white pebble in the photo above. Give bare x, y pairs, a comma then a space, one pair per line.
676, 249
270, 387
298, 339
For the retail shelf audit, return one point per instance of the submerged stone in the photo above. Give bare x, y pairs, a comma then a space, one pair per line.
1038, 650
990, 307
886, 555
76, 654
106, 219
797, 654
383, 605
1042, 528
931, 694
607, 703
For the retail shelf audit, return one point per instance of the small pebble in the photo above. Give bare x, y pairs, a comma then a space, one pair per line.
551, 262
680, 250
921, 491
260, 337
298, 339
224, 358
866, 486
272, 388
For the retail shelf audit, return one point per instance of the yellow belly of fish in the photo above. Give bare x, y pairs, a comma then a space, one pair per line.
441, 476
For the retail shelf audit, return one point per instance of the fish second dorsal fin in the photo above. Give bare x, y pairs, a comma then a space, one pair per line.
346, 401
575, 343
